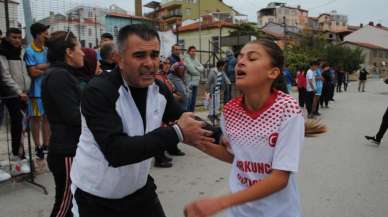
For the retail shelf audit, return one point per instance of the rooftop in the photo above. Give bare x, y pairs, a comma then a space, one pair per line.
212, 25
366, 45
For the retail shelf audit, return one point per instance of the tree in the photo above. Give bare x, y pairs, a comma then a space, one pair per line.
311, 46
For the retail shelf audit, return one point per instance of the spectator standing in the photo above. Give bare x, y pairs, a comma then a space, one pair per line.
216, 79
107, 52
363, 76
310, 87
287, 77
333, 78
36, 61
301, 83
318, 90
194, 70
230, 65
326, 85
177, 78
340, 79
176, 52
61, 95
105, 37
15, 87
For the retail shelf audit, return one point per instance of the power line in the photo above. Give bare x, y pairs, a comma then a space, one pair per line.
322, 5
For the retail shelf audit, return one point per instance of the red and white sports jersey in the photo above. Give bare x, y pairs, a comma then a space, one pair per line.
267, 139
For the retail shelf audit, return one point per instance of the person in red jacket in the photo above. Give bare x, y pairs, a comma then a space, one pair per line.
301, 83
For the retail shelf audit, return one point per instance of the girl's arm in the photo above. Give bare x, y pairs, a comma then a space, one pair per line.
218, 151
210, 206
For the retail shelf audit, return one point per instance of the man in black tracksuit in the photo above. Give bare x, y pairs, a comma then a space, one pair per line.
122, 112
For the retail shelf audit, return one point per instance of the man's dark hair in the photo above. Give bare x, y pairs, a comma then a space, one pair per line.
175, 45
13, 31
314, 63
145, 32
57, 44
190, 48
107, 35
37, 28
220, 63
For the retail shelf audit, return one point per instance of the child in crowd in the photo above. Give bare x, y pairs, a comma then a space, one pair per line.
263, 131
216, 79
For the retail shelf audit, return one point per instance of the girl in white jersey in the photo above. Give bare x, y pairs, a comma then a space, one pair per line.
262, 134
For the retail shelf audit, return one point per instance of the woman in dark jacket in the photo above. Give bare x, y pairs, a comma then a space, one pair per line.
61, 98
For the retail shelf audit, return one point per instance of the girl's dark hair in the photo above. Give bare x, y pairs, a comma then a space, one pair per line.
57, 44
275, 53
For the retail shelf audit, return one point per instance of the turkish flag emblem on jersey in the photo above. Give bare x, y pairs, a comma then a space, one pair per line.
273, 138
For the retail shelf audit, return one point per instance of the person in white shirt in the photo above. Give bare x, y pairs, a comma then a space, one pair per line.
265, 130
310, 87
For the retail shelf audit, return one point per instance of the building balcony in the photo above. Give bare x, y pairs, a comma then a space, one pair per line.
172, 16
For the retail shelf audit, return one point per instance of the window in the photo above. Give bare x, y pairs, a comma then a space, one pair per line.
115, 31
381, 54
215, 44
90, 13
181, 42
386, 54
90, 45
89, 31
188, 11
374, 53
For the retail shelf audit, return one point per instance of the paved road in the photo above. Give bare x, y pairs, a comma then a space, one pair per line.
341, 175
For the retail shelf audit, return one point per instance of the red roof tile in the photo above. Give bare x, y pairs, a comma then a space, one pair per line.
195, 26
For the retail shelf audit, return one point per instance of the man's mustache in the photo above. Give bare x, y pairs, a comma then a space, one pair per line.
146, 70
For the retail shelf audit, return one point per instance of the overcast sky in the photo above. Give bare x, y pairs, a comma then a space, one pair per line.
358, 11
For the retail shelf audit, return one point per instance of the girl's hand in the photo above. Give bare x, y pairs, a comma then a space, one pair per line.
205, 207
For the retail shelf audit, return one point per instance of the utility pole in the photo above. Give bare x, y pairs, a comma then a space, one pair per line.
28, 19
95, 25
200, 29
6, 15
285, 31
219, 36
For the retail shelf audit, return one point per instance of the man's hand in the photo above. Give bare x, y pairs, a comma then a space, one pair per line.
23, 96
193, 131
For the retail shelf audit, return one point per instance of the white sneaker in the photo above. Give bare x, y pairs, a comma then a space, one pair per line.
4, 175
25, 166
20, 167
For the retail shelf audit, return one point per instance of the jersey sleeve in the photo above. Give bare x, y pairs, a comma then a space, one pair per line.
29, 58
222, 125
288, 145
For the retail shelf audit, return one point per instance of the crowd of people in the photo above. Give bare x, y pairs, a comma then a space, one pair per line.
318, 83
104, 114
